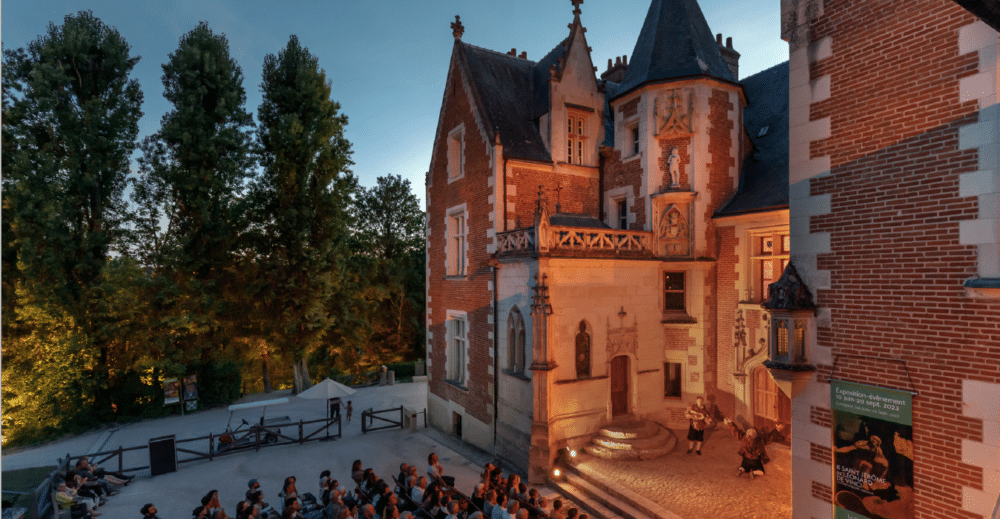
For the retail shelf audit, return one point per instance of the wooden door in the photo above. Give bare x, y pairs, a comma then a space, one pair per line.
770, 405
619, 386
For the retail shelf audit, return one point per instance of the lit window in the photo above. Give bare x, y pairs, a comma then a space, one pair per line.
672, 379
781, 341
458, 349
673, 292
576, 135
771, 253
457, 243
456, 153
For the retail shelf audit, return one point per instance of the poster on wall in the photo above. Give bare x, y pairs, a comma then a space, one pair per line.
171, 391
872, 452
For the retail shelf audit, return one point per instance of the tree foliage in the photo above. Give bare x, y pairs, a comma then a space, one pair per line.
70, 123
301, 200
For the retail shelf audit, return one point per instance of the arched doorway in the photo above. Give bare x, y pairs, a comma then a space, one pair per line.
619, 386
770, 405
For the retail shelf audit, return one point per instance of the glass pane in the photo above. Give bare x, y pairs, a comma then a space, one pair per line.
766, 245
781, 348
570, 130
579, 152
800, 340
579, 126
569, 154
786, 244
673, 281
673, 301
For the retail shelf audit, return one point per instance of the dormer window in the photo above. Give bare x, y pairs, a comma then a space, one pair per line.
576, 136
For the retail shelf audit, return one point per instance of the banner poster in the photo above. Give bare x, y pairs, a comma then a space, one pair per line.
171, 391
872, 452
190, 388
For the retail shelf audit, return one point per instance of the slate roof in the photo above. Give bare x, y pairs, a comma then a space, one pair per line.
675, 42
987, 10
504, 92
764, 175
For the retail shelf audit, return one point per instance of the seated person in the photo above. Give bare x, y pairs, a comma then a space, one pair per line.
436, 471
115, 478
148, 511
479, 495
417, 494
78, 506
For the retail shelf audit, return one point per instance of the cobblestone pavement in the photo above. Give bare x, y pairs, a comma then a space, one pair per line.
706, 487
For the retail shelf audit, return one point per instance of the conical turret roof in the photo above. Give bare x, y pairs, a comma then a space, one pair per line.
675, 42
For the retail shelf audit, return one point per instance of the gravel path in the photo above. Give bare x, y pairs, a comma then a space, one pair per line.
706, 487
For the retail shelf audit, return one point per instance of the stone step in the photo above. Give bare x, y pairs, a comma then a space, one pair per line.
635, 455
615, 496
661, 438
629, 430
582, 494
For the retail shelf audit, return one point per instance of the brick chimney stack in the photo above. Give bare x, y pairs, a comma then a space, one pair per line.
616, 72
729, 55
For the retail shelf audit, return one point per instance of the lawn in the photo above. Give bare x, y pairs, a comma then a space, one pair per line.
23, 480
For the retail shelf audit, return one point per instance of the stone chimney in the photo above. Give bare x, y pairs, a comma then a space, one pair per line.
616, 72
729, 55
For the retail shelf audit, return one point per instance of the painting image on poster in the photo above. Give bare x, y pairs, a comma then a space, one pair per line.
171, 391
872, 452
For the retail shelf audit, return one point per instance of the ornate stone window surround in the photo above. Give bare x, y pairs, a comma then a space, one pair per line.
614, 196
579, 131
517, 359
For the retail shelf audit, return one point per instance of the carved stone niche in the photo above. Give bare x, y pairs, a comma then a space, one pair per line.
673, 113
673, 228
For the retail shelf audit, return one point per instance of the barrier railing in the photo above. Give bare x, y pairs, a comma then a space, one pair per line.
369, 416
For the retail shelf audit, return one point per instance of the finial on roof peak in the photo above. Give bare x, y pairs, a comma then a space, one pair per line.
457, 29
576, 8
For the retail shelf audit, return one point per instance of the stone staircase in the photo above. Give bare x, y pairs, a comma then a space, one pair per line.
631, 440
605, 499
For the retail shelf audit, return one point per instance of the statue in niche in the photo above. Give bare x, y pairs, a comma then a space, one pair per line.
673, 168
583, 352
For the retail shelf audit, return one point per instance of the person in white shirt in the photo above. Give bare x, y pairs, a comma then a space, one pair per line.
417, 494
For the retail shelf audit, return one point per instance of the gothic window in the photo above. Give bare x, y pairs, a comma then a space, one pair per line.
800, 340
457, 351
515, 342
583, 352
781, 341
770, 257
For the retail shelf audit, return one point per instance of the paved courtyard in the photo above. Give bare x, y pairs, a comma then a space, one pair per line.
705, 487
690, 486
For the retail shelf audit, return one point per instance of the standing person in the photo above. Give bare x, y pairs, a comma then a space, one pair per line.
698, 419
350, 410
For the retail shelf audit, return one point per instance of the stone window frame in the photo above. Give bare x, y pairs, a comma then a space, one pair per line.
673, 313
794, 333
456, 153
457, 245
457, 348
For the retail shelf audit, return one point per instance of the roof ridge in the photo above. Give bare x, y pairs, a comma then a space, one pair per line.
498, 53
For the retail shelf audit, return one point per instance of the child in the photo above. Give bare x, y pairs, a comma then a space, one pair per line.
350, 409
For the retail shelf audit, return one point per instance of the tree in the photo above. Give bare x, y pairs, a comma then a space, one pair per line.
70, 122
302, 197
389, 233
193, 174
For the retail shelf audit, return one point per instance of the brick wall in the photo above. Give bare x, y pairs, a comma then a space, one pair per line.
721, 184
621, 174
579, 194
895, 261
472, 294
727, 274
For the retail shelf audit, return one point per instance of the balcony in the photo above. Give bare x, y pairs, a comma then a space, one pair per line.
565, 241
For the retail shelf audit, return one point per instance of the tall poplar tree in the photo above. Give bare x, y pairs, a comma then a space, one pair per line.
302, 199
70, 122
193, 175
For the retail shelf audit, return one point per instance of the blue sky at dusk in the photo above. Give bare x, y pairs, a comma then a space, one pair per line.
387, 59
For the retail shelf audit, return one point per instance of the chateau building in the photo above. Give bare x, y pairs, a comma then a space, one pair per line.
894, 198
598, 248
